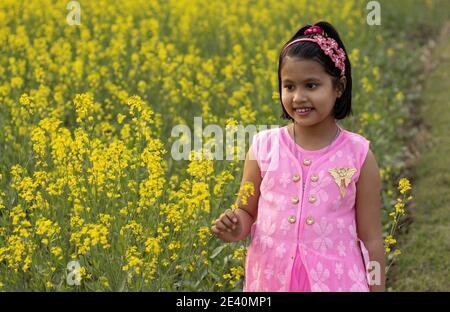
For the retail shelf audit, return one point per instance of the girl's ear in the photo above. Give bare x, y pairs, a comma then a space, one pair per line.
342, 83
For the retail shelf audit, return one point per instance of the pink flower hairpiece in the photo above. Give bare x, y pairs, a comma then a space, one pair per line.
328, 45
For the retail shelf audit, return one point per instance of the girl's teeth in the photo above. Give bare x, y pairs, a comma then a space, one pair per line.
303, 110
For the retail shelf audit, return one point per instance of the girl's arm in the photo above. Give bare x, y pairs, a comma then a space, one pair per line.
245, 213
368, 217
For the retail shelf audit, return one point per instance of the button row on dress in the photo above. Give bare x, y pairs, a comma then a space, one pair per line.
314, 178
309, 220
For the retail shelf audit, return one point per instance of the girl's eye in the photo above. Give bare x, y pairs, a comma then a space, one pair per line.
290, 87
310, 85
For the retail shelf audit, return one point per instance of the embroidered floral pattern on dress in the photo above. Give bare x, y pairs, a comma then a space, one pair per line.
280, 202
254, 286
340, 225
353, 242
319, 276
344, 203
319, 188
266, 188
323, 230
339, 271
285, 227
352, 230
341, 249
267, 229
282, 279
268, 195
351, 159
359, 279
268, 272
338, 154
285, 179
280, 251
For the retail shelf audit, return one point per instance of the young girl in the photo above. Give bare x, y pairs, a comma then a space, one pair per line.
314, 218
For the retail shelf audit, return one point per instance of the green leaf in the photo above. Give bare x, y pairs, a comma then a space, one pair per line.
216, 251
122, 284
204, 273
214, 275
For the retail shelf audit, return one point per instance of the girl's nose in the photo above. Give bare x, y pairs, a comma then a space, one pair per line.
299, 98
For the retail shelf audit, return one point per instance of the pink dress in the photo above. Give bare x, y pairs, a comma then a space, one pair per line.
305, 239
299, 280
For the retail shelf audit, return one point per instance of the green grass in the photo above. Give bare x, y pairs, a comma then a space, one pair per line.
425, 261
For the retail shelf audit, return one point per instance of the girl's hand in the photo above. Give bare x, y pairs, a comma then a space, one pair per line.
228, 226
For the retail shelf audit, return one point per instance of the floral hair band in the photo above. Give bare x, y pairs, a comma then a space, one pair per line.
328, 45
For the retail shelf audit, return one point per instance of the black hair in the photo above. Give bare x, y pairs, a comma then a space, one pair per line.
310, 50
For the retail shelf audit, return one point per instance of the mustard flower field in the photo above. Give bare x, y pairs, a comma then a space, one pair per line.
91, 198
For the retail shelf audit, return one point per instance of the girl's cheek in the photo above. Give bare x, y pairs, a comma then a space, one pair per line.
285, 101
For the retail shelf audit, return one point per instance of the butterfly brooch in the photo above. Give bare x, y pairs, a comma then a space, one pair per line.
342, 177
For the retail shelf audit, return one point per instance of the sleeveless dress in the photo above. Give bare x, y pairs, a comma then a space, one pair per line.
306, 239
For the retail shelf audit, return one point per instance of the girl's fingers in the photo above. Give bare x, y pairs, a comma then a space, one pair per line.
215, 230
227, 221
232, 216
220, 225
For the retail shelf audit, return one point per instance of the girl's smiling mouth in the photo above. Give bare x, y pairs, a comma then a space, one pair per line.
303, 111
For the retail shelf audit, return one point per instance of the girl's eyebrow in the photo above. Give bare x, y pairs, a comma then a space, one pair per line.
307, 79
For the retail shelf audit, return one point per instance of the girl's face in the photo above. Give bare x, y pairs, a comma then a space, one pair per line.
306, 84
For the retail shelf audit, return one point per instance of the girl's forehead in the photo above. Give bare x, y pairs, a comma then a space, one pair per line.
295, 68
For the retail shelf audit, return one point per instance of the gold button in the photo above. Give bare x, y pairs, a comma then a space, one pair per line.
291, 219
309, 220
294, 200
307, 162
295, 177
314, 178
312, 199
